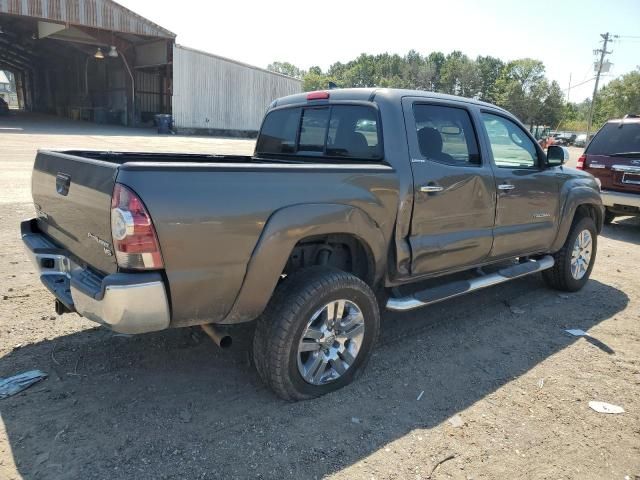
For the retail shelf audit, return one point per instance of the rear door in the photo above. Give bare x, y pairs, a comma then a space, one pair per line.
454, 191
528, 203
614, 156
72, 197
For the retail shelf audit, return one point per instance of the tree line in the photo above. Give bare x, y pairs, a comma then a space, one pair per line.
519, 86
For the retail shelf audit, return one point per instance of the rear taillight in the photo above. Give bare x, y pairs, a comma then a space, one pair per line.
581, 160
134, 238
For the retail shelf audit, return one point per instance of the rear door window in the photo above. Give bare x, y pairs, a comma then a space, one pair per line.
333, 131
446, 135
616, 138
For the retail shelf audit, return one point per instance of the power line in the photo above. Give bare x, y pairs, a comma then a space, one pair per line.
579, 84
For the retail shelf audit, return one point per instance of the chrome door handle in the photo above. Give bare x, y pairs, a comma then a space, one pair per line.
506, 186
431, 188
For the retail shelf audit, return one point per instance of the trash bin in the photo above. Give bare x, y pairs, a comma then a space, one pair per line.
163, 121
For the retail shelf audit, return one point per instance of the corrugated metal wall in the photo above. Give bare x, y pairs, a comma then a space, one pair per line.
103, 14
214, 93
148, 92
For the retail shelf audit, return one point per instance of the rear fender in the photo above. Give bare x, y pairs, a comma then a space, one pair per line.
284, 229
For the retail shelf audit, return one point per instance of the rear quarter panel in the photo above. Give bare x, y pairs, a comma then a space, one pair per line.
210, 217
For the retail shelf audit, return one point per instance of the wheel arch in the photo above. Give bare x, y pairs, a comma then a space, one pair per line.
580, 201
294, 226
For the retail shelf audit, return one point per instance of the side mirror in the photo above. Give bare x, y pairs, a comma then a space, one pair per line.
557, 155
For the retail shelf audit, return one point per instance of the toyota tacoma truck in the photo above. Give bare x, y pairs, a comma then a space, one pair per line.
354, 200
613, 157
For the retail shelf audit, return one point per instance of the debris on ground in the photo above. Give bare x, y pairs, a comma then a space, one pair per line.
456, 421
12, 385
420, 396
604, 407
576, 332
437, 465
516, 310
355, 420
541, 383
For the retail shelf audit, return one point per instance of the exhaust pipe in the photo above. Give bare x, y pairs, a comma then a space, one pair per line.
219, 336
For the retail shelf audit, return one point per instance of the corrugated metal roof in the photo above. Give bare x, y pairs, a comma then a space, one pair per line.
101, 14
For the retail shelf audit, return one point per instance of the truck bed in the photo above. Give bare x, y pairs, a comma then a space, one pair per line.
209, 211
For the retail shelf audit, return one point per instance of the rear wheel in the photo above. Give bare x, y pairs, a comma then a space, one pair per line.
317, 333
609, 216
574, 261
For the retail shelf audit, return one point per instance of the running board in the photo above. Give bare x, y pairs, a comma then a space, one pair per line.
454, 289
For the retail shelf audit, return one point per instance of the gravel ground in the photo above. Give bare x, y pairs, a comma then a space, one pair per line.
506, 390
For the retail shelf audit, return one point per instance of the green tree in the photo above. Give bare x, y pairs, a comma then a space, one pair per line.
317, 81
553, 105
459, 76
286, 68
521, 89
619, 98
489, 70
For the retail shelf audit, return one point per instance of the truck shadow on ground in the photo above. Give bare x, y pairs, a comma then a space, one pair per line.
169, 406
625, 229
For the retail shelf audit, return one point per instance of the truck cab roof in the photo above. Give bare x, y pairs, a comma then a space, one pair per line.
371, 94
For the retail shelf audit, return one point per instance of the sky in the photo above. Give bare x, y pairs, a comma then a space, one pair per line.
561, 33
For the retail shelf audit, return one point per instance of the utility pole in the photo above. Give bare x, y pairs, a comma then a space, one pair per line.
603, 51
569, 89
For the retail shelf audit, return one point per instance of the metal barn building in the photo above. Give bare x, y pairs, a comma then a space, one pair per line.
212, 94
95, 60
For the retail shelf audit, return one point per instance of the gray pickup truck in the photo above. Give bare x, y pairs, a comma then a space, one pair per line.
351, 195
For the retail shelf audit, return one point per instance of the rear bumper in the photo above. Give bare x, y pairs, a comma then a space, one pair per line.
125, 302
609, 199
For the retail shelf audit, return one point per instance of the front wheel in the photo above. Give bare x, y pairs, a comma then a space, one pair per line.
574, 261
317, 333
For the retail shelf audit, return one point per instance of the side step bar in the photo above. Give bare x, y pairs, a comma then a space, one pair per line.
454, 289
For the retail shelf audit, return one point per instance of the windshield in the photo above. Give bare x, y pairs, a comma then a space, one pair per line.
616, 138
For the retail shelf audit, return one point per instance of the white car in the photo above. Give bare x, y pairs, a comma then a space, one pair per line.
581, 140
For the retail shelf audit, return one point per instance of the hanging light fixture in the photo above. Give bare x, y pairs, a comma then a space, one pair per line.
113, 52
99, 55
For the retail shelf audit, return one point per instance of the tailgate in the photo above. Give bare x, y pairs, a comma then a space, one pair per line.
72, 197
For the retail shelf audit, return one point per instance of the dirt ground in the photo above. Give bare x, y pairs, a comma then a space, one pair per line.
506, 390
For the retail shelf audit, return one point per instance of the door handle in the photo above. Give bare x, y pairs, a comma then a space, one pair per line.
431, 188
506, 186
63, 182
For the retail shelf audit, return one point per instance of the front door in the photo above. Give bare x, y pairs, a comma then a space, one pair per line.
528, 198
454, 189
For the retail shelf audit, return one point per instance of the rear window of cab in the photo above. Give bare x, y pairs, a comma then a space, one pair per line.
332, 131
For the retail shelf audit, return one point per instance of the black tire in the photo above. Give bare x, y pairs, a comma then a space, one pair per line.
560, 276
280, 329
609, 216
